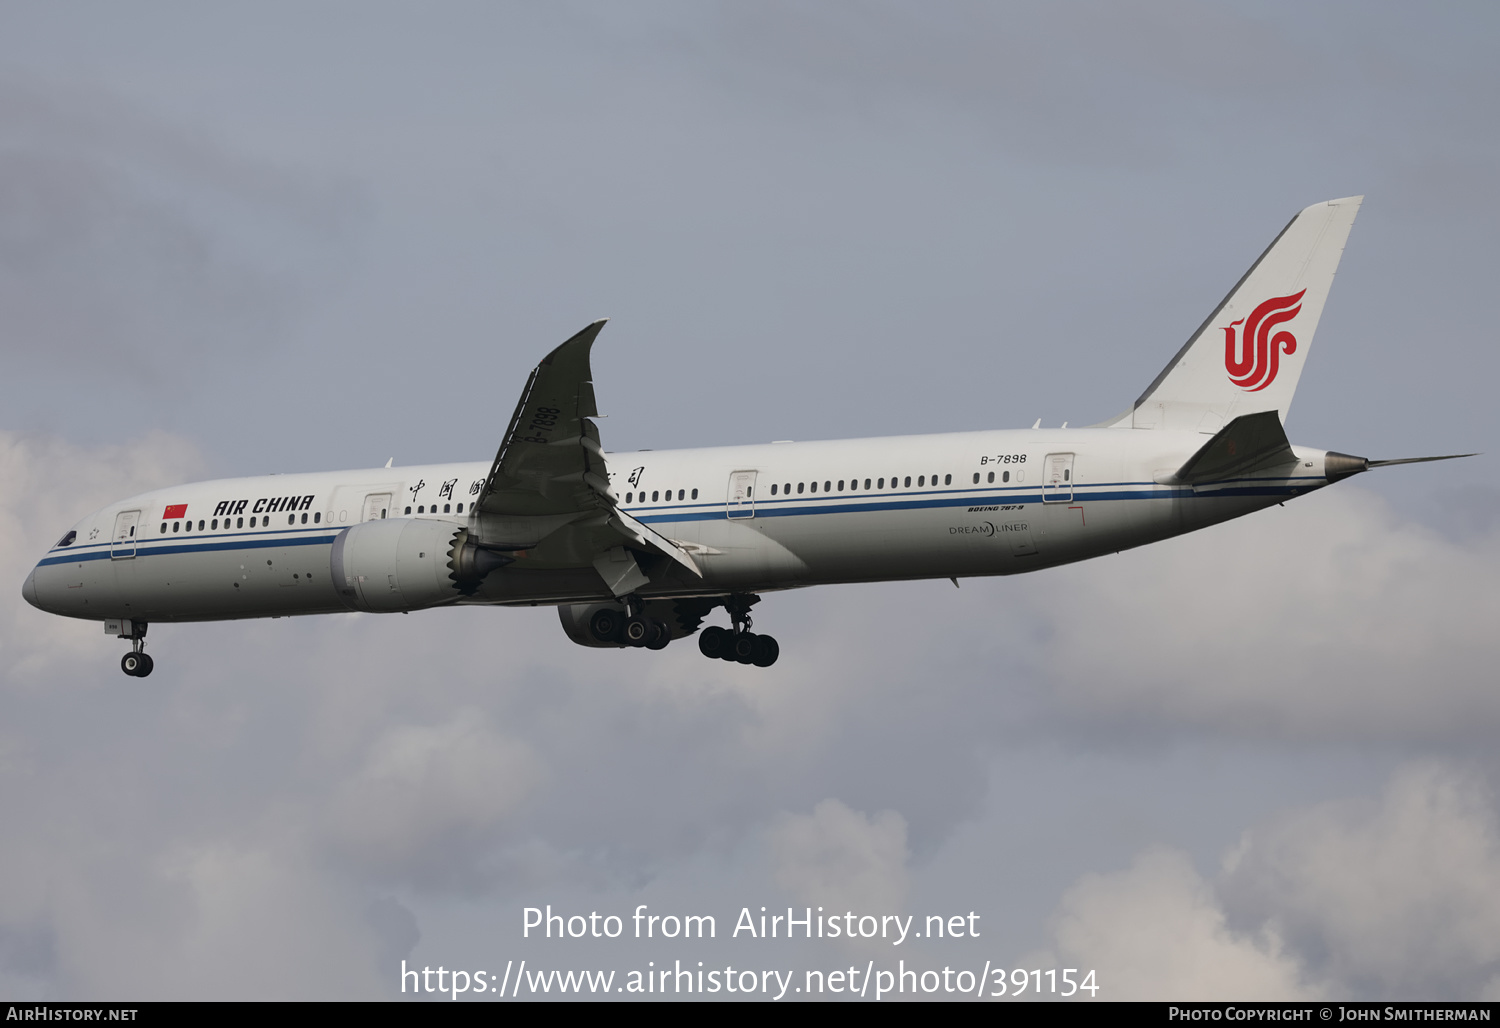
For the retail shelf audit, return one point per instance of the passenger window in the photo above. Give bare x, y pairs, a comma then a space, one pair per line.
447, 508
163, 528
681, 494
695, 494
867, 483
189, 526
1067, 474
787, 488
880, 484
318, 517
773, 488
460, 508
1005, 477
921, 480
908, 481
304, 519
630, 497
841, 485
826, 485
291, 519
654, 494
947, 479
976, 478
408, 509
214, 524
799, 488
815, 487
239, 523
992, 476
176, 526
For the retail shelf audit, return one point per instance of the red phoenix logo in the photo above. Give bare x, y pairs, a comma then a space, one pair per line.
1253, 363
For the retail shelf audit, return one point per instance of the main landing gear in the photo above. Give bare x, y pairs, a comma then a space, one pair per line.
738, 644
137, 663
635, 629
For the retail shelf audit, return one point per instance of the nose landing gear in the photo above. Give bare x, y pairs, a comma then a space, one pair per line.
137, 663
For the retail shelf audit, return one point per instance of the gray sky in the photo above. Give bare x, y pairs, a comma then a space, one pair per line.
1251, 762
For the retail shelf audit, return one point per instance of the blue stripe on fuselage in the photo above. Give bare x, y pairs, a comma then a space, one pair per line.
154, 548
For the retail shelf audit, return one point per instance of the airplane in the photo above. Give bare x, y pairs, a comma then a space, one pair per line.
638, 549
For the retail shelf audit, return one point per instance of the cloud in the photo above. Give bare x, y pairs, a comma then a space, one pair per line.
1396, 898
130, 251
1331, 618
353, 764
426, 794
841, 859
1157, 931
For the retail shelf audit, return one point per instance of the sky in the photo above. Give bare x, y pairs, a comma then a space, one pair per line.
1253, 762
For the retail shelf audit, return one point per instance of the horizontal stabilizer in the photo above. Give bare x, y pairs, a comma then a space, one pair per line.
1248, 443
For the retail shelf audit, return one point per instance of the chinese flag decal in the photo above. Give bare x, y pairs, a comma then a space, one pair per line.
176, 510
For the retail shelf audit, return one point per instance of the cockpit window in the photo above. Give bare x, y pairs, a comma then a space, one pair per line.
67, 540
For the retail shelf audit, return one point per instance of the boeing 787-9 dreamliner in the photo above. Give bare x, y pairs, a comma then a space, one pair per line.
637, 549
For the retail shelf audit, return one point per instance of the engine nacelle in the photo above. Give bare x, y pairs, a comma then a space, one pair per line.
681, 616
577, 617
396, 564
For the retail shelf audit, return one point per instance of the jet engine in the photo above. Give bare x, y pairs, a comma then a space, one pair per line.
408, 564
606, 625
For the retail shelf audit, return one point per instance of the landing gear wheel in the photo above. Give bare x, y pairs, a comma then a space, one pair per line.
765, 651
743, 647
607, 625
713, 641
638, 630
136, 665
660, 635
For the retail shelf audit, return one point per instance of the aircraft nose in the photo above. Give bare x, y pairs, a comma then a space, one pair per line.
28, 590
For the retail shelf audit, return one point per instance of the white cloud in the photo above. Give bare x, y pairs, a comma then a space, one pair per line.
1156, 931
426, 791
1399, 898
1330, 618
841, 859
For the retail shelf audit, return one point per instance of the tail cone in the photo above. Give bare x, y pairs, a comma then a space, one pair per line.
1342, 465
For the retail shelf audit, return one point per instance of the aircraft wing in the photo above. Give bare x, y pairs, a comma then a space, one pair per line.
548, 488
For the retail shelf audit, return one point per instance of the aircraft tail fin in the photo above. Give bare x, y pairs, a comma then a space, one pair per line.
1247, 356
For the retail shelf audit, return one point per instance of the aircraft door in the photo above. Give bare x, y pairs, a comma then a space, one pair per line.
377, 506
741, 501
122, 544
1057, 478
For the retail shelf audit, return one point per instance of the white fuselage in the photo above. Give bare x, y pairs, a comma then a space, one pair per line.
754, 518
